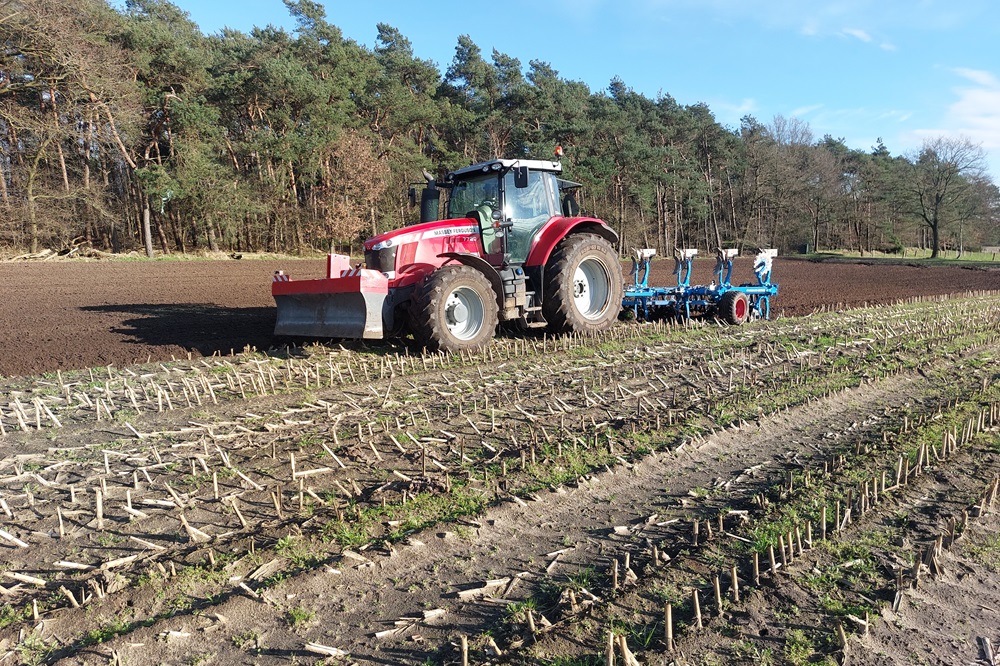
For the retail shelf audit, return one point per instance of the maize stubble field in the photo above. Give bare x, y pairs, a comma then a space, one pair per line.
820, 487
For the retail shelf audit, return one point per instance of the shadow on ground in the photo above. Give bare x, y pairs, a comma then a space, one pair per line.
202, 327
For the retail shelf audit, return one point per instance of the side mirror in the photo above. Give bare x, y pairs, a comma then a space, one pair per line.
520, 177
571, 208
412, 194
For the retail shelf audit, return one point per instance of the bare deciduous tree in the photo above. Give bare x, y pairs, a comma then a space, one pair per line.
354, 178
64, 87
943, 183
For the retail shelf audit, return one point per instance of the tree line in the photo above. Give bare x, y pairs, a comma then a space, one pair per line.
131, 130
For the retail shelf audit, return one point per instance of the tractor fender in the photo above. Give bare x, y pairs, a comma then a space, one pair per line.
556, 229
553, 233
483, 267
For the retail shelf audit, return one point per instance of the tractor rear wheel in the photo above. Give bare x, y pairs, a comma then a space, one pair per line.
583, 286
453, 310
734, 308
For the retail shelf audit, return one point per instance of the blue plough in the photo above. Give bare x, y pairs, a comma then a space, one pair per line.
732, 304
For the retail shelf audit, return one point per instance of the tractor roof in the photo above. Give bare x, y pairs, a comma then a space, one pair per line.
501, 165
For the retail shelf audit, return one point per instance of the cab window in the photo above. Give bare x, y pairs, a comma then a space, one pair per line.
528, 208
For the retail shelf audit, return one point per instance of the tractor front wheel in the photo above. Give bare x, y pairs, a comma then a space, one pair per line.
453, 310
734, 308
583, 286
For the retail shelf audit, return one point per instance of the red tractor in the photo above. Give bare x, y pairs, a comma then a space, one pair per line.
513, 248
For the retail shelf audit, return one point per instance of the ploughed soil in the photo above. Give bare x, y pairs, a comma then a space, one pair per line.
72, 315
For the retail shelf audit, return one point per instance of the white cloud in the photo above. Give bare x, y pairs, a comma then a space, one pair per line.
895, 116
810, 28
974, 114
882, 23
830, 16
805, 110
858, 34
729, 113
978, 76
808, 18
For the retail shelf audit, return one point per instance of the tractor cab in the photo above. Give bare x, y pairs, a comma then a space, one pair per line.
510, 199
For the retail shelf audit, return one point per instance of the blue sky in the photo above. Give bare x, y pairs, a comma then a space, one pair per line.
902, 70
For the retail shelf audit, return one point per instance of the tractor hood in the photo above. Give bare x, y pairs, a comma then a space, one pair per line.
423, 231
406, 254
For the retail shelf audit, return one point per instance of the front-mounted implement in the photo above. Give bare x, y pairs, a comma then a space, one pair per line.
347, 303
731, 303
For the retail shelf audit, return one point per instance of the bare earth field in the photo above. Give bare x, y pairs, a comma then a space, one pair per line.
820, 488
72, 315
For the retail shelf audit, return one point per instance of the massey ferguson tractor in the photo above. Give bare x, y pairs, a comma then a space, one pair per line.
513, 248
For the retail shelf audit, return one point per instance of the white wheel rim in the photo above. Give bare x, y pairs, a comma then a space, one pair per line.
464, 312
591, 288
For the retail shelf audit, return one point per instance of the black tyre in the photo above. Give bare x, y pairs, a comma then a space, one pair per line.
734, 308
454, 309
583, 286
400, 321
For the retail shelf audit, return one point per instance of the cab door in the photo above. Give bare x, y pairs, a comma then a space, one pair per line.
526, 209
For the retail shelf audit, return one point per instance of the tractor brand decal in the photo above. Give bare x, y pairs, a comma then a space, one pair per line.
451, 231
403, 239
